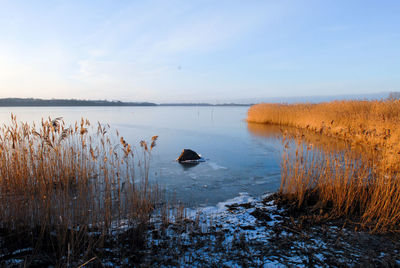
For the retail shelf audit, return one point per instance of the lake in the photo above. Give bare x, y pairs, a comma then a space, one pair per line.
241, 158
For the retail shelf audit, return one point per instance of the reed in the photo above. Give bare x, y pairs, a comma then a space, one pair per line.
371, 123
361, 185
64, 189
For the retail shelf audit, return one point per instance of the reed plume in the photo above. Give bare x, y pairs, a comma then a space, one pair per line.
69, 181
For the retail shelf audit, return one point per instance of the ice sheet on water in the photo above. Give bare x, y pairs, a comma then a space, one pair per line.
215, 166
243, 197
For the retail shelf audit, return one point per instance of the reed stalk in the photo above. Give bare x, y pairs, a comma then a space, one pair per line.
64, 189
362, 185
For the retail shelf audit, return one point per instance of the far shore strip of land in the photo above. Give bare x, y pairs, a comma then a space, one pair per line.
30, 102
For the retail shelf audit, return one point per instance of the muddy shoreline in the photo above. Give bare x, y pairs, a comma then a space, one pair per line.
245, 231
258, 232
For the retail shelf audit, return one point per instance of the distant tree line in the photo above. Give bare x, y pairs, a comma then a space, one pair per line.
8, 102
30, 102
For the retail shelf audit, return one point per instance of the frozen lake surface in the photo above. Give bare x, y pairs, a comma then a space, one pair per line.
239, 157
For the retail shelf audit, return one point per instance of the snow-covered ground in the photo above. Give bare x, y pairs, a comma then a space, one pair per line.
248, 231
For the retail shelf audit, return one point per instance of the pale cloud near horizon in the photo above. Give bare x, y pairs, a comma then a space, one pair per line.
192, 50
127, 52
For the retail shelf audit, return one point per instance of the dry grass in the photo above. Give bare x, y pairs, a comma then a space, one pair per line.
363, 186
371, 123
64, 189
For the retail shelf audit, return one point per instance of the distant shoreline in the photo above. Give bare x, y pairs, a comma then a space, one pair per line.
29, 102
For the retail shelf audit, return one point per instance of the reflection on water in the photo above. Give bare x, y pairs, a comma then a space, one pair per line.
265, 130
187, 166
308, 138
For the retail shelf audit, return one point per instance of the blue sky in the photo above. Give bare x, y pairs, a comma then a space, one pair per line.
202, 50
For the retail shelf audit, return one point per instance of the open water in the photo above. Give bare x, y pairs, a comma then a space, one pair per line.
239, 157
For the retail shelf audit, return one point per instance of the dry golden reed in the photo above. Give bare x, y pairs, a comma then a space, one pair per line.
341, 182
69, 180
372, 123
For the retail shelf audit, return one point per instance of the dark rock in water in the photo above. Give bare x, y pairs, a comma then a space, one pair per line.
186, 165
188, 155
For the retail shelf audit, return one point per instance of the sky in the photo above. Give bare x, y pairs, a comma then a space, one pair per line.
194, 51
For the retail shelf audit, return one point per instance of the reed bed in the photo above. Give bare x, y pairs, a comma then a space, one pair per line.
361, 185
371, 123
63, 190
